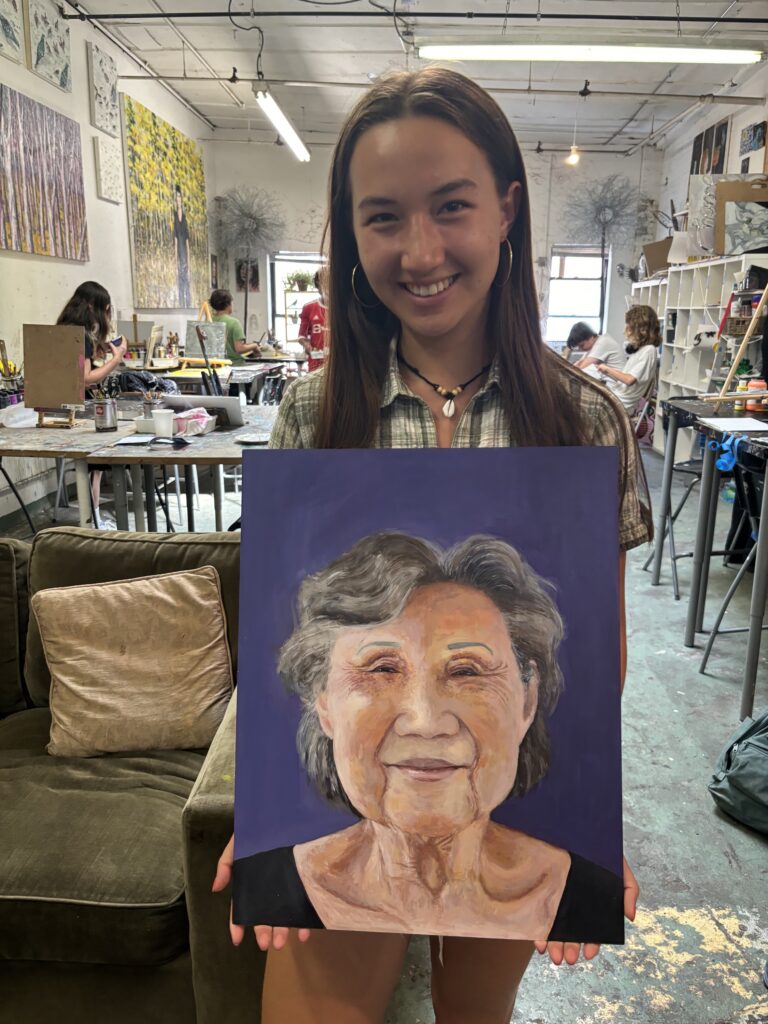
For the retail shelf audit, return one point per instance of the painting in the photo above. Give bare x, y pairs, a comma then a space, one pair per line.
710, 150
752, 149
242, 271
425, 697
102, 74
48, 49
41, 181
746, 227
215, 339
109, 169
12, 39
167, 212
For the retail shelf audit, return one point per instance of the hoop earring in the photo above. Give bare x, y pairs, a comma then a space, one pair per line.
365, 305
509, 268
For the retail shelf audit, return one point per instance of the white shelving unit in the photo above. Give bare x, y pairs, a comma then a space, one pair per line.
691, 299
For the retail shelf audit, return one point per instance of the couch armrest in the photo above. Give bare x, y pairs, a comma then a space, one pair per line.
227, 980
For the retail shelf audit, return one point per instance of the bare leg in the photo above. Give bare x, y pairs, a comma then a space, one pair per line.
335, 978
477, 980
96, 488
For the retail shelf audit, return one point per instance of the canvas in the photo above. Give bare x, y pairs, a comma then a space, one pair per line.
215, 339
41, 181
428, 729
102, 74
109, 169
746, 227
12, 39
48, 48
167, 212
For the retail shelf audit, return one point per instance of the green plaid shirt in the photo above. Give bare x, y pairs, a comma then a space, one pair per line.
406, 422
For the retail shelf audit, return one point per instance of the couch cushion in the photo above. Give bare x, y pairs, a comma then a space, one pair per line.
105, 695
90, 851
66, 556
14, 555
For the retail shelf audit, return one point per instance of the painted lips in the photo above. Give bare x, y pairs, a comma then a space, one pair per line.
427, 769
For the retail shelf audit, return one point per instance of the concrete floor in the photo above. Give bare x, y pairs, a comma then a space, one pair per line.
696, 952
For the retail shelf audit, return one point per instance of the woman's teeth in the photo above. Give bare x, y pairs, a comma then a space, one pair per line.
424, 291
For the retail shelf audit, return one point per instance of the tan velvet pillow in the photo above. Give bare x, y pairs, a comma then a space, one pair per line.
135, 665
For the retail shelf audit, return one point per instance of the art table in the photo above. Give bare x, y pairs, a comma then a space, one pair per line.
689, 413
76, 443
217, 449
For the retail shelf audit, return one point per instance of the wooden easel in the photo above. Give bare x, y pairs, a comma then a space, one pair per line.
742, 348
54, 422
205, 312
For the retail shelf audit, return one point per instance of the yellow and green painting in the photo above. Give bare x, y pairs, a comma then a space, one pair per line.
169, 222
42, 198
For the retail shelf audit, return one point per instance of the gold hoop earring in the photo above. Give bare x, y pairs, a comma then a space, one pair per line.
511, 261
365, 305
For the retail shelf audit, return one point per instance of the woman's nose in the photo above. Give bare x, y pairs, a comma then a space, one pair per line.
425, 711
423, 248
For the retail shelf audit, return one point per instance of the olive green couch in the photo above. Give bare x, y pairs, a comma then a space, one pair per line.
106, 863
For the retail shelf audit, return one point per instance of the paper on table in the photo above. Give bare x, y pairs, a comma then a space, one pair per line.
136, 439
743, 424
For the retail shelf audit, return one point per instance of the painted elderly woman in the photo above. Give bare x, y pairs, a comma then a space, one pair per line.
426, 678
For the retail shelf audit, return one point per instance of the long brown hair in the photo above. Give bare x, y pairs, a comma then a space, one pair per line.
89, 307
538, 401
643, 325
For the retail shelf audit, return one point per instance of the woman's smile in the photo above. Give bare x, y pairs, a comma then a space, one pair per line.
427, 769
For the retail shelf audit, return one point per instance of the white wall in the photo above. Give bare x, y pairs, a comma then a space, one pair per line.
33, 289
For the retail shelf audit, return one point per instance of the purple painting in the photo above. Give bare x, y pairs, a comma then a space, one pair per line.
428, 727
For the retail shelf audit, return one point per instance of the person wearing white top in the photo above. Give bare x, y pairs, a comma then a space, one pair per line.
596, 348
643, 336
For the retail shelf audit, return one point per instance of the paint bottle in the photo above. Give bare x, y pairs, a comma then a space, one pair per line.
755, 404
740, 404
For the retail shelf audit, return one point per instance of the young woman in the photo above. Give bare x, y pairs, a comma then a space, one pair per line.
91, 307
631, 383
435, 341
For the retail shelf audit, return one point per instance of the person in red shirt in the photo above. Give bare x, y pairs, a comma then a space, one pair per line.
313, 325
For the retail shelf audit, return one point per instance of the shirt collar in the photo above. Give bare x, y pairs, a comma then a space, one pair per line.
394, 385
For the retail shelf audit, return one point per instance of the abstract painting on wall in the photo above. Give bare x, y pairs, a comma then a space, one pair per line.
109, 169
41, 180
102, 73
167, 211
12, 30
48, 47
428, 727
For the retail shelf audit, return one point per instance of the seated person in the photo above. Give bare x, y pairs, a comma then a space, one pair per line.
643, 336
596, 348
237, 347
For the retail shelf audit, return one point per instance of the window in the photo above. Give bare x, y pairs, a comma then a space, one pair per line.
575, 287
286, 303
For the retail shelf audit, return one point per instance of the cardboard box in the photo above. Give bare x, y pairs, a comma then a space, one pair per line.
656, 255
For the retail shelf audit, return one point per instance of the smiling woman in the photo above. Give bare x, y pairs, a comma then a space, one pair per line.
426, 679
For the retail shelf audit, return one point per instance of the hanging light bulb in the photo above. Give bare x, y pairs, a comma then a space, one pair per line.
573, 157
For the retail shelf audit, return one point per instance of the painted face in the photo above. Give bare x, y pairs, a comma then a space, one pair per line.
429, 223
427, 712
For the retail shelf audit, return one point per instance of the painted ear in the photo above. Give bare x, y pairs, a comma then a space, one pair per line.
531, 702
321, 706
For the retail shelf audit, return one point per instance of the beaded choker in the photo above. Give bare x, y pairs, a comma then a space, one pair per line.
449, 394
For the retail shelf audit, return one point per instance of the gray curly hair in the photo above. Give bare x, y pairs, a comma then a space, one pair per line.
372, 583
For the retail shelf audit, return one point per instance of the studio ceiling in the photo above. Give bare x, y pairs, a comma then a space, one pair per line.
347, 44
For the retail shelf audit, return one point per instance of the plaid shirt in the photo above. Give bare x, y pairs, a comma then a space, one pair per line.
406, 422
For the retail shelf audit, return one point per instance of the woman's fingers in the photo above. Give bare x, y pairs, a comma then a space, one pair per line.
236, 931
631, 892
567, 952
224, 867
263, 933
591, 949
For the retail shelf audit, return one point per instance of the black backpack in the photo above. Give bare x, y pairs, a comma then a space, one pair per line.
739, 785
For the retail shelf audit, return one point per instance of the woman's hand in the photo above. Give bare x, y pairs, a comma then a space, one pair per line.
119, 349
569, 951
603, 368
266, 935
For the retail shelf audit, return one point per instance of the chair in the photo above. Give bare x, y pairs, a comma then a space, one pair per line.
644, 415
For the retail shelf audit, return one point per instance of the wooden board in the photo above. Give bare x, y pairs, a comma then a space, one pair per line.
216, 339
54, 366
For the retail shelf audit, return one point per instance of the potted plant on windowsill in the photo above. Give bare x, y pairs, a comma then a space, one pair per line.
299, 280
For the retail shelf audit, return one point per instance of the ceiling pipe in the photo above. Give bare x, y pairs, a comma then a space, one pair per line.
193, 50
658, 132
151, 73
429, 15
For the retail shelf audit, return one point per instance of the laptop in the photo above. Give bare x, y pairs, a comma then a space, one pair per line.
227, 410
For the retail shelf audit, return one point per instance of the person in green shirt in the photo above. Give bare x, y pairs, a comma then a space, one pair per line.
237, 347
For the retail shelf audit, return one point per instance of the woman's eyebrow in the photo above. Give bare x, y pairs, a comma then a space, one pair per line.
378, 643
451, 186
468, 643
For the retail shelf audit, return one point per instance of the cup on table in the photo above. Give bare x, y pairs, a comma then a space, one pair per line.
163, 422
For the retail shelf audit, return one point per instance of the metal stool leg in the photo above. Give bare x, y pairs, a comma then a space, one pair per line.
724, 607
177, 487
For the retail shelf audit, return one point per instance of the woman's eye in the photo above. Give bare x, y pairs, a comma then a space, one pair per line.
382, 666
465, 671
381, 218
455, 206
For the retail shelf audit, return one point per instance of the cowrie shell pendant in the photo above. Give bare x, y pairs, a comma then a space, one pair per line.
449, 408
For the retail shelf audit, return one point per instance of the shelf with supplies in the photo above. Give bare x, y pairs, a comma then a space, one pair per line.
690, 302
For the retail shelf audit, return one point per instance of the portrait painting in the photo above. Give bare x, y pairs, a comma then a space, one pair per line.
428, 729
48, 48
12, 36
245, 273
719, 148
167, 212
42, 194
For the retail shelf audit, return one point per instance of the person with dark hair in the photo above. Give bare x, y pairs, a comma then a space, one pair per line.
467, 638
181, 243
596, 348
435, 342
313, 325
643, 335
221, 303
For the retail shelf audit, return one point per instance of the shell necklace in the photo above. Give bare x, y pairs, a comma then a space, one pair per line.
449, 394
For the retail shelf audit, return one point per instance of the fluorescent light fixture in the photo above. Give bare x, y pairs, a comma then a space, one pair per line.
586, 53
285, 129
573, 157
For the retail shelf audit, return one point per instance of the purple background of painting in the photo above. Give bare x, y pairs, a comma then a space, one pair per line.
558, 506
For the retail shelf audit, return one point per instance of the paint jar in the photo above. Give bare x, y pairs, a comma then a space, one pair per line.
739, 404
755, 404
105, 414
